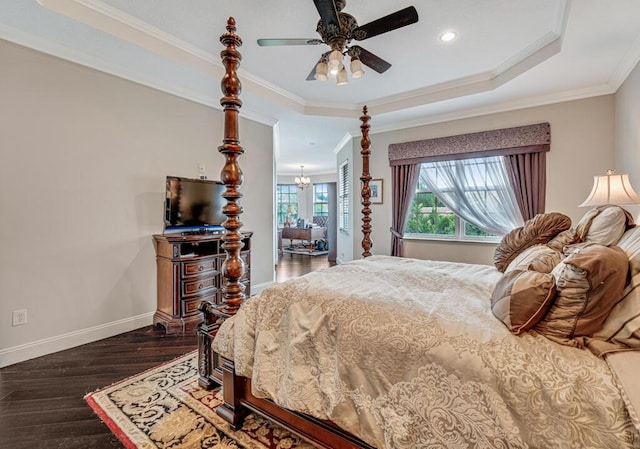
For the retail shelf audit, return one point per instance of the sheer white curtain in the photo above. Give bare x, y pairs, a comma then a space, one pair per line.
478, 190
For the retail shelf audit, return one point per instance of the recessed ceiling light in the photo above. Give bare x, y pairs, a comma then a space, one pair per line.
448, 36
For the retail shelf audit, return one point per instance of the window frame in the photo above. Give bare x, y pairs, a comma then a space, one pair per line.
292, 190
343, 197
323, 187
459, 224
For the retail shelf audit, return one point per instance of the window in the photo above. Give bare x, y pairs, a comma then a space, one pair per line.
287, 203
470, 184
343, 197
320, 200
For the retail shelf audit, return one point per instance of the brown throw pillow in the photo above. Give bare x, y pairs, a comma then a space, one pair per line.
590, 282
521, 298
540, 229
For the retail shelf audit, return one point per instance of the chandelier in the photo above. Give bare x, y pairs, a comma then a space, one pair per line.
302, 181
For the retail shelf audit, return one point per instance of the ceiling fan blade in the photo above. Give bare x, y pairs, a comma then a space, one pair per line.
312, 74
275, 42
393, 21
328, 13
369, 59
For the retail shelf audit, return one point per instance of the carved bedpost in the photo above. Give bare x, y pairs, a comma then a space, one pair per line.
233, 267
365, 143
231, 174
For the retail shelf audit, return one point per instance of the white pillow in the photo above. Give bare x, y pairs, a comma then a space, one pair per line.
603, 225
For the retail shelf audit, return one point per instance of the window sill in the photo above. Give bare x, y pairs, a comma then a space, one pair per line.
453, 239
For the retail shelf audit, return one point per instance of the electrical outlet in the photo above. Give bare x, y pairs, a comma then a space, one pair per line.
19, 317
201, 170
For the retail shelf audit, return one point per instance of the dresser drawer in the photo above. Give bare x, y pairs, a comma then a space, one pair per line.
198, 267
190, 306
197, 286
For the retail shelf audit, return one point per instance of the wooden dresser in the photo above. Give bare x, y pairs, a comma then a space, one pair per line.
189, 272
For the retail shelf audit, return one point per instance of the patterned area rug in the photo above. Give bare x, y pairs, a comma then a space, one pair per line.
305, 251
165, 408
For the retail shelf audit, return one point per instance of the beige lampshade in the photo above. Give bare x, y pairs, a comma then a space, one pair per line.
612, 188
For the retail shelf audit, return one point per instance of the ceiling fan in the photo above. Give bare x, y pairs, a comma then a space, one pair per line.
337, 29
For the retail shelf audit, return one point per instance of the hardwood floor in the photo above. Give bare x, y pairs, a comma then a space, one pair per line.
41, 400
294, 265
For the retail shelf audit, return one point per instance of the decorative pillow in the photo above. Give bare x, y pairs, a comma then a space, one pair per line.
590, 283
621, 329
604, 225
563, 239
538, 258
540, 229
521, 298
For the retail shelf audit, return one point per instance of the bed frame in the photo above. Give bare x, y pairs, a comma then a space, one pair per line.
213, 369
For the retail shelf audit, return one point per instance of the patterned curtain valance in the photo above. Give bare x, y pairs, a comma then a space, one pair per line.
518, 140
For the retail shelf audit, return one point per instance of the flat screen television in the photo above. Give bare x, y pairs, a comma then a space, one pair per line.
193, 205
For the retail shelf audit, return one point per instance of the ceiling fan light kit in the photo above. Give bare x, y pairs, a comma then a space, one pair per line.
335, 61
342, 77
356, 68
322, 71
337, 29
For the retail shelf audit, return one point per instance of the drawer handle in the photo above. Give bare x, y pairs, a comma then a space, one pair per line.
200, 268
200, 286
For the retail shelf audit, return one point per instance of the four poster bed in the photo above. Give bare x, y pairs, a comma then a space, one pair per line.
403, 353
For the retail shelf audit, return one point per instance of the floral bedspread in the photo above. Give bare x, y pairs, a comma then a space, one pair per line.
406, 353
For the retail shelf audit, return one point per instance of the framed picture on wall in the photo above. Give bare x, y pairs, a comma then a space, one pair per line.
376, 191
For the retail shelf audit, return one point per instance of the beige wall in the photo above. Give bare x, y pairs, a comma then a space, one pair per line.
627, 133
581, 147
82, 166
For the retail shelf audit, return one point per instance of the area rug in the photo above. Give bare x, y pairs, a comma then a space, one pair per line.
304, 251
166, 408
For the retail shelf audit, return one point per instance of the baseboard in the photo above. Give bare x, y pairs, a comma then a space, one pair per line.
69, 340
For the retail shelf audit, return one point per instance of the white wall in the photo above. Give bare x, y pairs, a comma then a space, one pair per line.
82, 166
627, 132
581, 146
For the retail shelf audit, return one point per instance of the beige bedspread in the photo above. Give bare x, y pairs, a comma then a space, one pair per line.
406, 353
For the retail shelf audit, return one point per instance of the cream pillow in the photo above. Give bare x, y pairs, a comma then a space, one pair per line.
604, 225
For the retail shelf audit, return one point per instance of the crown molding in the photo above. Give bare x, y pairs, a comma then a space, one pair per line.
115, 22
101, 16
523, 103
111, 20
46, 46
344, 141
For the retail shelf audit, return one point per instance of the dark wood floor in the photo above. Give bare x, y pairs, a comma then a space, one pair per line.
294, 265
41, 400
